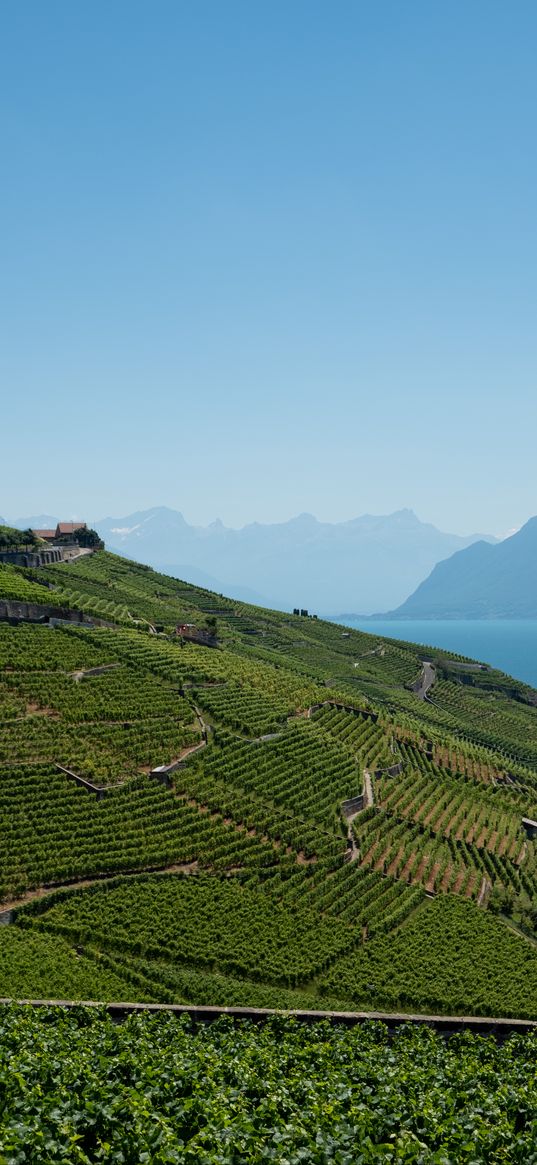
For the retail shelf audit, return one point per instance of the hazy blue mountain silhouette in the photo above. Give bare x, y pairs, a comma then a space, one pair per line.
481, 582
37, 522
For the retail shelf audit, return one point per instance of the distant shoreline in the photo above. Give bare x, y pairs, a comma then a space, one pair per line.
391, 618
507, 644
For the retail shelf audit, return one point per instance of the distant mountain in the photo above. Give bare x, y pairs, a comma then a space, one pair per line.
481, 582
36, 522
362, 565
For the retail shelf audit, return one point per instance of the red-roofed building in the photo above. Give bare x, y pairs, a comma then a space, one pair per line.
63, 529
69, 528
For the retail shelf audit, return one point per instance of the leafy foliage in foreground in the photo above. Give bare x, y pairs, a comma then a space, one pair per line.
78, 1088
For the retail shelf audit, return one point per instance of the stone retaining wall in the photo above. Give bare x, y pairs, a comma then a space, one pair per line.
100, 791
99, 671
392, 771
32, 557
444, 1024
16, 611
353, 805
163, 773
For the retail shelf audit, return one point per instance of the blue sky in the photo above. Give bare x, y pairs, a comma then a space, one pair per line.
260, 258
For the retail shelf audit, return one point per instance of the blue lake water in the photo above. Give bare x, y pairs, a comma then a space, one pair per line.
508, 644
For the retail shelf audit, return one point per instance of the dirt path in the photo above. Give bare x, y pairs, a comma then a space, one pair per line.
484, 891
82, 883
94, 671
352, 848
353, 852
369, 796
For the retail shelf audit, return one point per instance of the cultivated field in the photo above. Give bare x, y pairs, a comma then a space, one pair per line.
275, 821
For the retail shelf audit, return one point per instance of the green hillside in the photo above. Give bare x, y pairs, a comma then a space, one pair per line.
248, 873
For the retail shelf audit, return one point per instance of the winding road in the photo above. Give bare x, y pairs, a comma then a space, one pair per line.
426, 680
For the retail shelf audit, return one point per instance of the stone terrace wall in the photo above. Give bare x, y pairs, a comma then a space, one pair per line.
15, 611
444, 1024
37, 612
32, 557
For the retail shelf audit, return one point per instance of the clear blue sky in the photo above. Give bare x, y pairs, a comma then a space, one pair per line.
266, 257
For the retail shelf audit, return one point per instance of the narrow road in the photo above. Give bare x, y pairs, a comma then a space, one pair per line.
353, 852
352, 847
426, 680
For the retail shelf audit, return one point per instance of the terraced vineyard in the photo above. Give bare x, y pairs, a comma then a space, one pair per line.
454, 809
15, 585
363, 736
448, 957
247, 711
277, 819
54, 832
502, 726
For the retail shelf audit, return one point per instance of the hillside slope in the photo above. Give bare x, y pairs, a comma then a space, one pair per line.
277, 820
481, 582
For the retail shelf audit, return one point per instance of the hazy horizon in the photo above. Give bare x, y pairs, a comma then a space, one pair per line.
90, 517
216, 514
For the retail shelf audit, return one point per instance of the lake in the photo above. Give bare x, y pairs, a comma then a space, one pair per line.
508, 644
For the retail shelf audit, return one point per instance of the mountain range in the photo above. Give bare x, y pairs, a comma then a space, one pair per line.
363, 565
481, 582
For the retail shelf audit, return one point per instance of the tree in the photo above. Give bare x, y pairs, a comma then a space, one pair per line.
89, 538
11, 539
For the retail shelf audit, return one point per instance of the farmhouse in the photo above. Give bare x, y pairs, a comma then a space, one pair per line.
47, 546
63, 530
